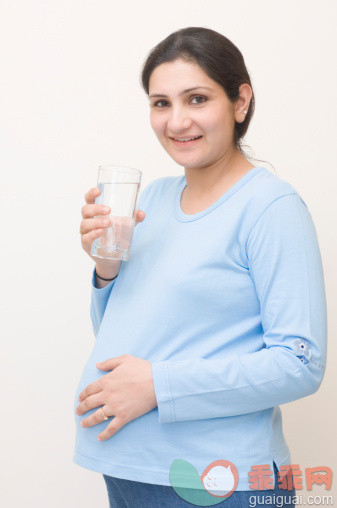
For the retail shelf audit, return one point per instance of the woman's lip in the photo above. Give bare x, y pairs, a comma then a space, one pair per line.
185, 143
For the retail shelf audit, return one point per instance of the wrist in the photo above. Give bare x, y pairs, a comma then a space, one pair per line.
105, 279
107, 272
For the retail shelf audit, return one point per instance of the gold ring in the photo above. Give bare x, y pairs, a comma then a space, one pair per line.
104, 416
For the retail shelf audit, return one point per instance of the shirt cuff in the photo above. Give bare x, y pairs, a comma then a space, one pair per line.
101, 291
161, 383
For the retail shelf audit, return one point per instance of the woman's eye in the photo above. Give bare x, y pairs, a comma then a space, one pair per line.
199, 97
158, 102
203, 99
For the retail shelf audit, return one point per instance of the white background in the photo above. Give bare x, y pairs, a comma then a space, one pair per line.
70, 100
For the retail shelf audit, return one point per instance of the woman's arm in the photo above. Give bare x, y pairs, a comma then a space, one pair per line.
285, 265
100, 289
99, 300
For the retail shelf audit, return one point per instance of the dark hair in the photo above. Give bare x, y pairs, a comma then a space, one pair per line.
217, 56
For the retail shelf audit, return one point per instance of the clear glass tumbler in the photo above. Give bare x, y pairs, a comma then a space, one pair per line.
119, 187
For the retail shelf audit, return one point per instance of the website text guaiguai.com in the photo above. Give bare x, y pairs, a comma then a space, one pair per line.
284, 501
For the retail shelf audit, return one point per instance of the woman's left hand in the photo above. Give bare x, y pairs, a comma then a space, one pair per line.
125, 393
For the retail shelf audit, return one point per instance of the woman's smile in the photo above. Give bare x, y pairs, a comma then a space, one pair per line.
186, 142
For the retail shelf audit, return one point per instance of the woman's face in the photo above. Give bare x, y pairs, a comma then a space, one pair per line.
179, 113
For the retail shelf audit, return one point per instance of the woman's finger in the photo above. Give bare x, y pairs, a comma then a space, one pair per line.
114, 426
140, 216
91, 195
90, 402
88, 225
89, 211
88, 238
95, 418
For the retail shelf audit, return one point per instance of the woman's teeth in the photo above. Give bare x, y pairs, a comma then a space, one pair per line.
189, 139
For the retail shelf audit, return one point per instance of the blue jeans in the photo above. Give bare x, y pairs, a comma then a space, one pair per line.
131, 494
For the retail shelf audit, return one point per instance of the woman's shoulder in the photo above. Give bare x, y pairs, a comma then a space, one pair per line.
268, 187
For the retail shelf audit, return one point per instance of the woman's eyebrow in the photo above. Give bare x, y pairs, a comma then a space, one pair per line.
183, 92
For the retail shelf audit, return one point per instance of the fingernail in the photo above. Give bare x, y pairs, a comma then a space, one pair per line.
106, 209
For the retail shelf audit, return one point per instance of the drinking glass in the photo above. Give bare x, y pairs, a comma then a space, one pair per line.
119, 187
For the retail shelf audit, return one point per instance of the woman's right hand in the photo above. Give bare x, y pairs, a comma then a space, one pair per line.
92, 227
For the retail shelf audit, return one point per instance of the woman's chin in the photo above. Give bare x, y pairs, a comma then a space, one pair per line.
186, 160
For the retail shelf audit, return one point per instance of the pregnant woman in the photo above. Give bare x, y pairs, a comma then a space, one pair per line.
219, 315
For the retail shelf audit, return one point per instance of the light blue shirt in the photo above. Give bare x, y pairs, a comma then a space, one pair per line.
229, 306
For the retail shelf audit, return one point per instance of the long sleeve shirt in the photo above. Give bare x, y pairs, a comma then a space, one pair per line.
229, 306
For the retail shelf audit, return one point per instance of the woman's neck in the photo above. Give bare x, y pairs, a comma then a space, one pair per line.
208, 182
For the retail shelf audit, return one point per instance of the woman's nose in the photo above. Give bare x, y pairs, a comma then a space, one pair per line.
179, 120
